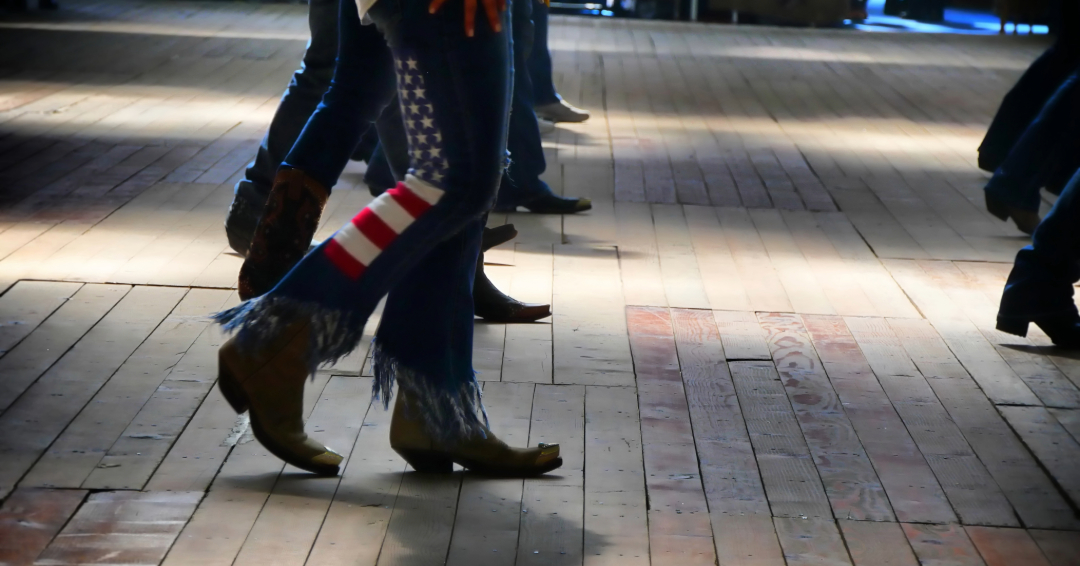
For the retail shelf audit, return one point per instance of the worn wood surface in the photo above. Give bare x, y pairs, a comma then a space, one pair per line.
773, 337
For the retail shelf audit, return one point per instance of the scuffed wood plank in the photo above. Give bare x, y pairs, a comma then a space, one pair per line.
1058, 452
122, 528
679, 528
742, 526
30, 518
811, 541
26, 305
850, 480
1061, 548
942, 545
742, 336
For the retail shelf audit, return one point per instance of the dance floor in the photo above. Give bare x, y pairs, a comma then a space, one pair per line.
773, 339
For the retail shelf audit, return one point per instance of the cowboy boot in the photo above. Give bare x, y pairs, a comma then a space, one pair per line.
288, 222
269, 384
487, 456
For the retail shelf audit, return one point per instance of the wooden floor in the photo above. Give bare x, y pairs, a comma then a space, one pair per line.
773, 336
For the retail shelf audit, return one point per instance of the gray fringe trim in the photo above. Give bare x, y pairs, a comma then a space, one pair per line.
334, 333
450, 414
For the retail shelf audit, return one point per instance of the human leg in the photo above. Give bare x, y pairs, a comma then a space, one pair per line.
521, 185
1040, 286
301, 97
1049, 139
455, 95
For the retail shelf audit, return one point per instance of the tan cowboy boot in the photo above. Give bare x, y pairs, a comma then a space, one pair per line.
270, 384
488, 456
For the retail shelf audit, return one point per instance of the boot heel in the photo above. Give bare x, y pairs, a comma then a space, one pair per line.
1014, 327
232, 393
427, 461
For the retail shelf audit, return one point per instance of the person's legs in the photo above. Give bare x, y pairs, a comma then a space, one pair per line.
303, 94
539, 66
1049, 140
360, 89
1040, 286
455, 94
521, 185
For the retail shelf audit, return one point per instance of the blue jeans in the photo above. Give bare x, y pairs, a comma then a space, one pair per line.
522, 183
1046, 154
540, 59
303, 94
1041, 281
418, 242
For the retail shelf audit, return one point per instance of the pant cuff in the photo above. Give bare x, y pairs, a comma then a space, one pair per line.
451, 409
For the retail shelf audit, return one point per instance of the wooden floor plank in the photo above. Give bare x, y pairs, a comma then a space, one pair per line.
489, 509
34, 421
26, 305
528, 349
75, 454
589, 324
679, 527
552, 507
877, 544
30, 518
742, 527
942, 545
1024, 483
1061, 548
1000, 547
224, 518
52, 339
1055, 449
122, 527
811, 541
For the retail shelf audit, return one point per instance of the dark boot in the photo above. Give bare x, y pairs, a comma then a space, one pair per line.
284, 233
1037, 293
493, 305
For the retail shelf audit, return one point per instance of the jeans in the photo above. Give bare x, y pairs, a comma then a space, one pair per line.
1046, 154
1024, 101
540, 58
418, 242
303, 94
1041, 281
522, 183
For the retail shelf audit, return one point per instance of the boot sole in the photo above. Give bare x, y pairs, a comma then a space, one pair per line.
238, 400
1014, 327
433, 462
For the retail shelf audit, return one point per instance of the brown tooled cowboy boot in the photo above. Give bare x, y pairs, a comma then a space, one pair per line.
488, 456
288, 222
270, 384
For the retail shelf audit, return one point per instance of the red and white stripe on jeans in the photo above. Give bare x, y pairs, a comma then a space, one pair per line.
359, 242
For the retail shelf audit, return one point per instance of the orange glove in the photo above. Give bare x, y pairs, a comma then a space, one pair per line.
491, 7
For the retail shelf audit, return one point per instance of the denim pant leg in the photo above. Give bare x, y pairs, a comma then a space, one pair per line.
391, 158
1041, 281
363, 85
540, 59
1048, 141
522, 183
455, 96
299, 101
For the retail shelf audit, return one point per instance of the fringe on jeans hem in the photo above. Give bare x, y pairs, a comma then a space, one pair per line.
450, 412
334, 333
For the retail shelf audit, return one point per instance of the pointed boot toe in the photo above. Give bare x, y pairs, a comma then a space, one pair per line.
485, 455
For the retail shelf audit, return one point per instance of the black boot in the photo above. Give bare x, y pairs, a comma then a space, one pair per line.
493, 305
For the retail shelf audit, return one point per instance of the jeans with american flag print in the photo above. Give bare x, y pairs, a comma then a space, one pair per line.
417, 244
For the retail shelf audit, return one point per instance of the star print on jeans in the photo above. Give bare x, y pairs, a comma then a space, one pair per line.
425, 140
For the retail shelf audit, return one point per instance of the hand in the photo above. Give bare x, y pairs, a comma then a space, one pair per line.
491, 7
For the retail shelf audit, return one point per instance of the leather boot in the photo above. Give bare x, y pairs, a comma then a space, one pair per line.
283, 236
491, 304
270, 384
488, 456
1038, 293
1026, 220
